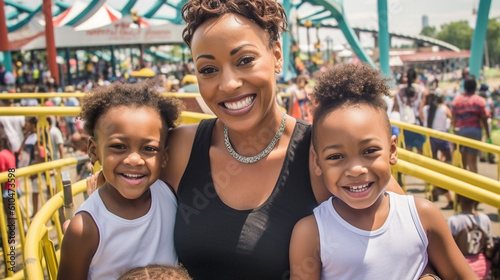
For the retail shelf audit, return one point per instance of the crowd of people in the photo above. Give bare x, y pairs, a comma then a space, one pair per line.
257, 193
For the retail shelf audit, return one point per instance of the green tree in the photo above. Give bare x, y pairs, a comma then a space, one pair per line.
429, 31
457, 33
493, 42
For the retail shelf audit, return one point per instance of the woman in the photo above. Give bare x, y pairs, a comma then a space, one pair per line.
407, 103
244, 179
437, 115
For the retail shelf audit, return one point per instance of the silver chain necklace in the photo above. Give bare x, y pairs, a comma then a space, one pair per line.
262, 154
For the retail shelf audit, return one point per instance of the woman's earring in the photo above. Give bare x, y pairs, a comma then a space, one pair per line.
278, 68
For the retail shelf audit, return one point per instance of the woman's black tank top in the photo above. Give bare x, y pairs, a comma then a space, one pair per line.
214, 241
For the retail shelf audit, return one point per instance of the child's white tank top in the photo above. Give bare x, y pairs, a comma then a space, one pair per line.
126, 244
397, 250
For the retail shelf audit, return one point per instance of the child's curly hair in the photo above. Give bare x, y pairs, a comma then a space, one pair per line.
156, 272
268, 14
147, 94
347, 85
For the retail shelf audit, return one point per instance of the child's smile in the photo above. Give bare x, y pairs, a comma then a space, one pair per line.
132, 149
354, 154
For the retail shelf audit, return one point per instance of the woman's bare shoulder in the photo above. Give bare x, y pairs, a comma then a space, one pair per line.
180, 141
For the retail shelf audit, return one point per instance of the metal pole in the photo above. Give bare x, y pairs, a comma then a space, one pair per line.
287, 75
477, 47
383, 38
50, 40
113, 60
68, 66
4, 39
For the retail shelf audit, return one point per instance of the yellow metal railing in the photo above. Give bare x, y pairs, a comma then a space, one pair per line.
14, 228
470, 189
476, 186
43, 96
40, 250
452, 138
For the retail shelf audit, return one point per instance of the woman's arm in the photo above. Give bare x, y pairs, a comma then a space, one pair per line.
305, 260
448, 111
78, 247
443, 252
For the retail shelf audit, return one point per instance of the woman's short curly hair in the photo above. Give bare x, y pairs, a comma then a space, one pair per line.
148, 94
347, 85
268, 14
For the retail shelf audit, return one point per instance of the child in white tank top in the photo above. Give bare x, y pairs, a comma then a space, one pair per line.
364, 231
129, 221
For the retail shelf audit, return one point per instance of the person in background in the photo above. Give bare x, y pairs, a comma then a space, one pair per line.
469, 114
7, 164
13, 126
299, 97
56, 139
484, 92
407, 103
458, 222
436, 115
32, 151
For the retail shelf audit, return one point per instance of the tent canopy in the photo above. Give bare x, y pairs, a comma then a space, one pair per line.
104, 27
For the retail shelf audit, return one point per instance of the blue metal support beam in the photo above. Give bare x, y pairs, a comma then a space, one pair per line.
287, 66
126, 9
477, 47
313, 15
383, 38
25, 20
19, 6
336, 7
154, 9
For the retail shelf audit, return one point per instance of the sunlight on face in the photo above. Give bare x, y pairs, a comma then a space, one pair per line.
130, 144
355, 151
235, 69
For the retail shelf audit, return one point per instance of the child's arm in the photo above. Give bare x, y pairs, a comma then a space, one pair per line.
78, 247
305, 261
443, 252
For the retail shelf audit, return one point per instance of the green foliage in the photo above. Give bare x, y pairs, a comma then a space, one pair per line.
457, 33
493, 41
429, 31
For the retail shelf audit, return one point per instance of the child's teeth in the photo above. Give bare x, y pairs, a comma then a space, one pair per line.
358, 188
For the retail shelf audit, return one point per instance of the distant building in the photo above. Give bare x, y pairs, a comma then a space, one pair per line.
425, 21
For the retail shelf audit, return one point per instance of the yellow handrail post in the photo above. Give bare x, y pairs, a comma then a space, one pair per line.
49, 253
400, 177
427, 152
37, 230
10, 264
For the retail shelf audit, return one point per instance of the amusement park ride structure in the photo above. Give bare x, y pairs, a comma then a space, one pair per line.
327, 10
